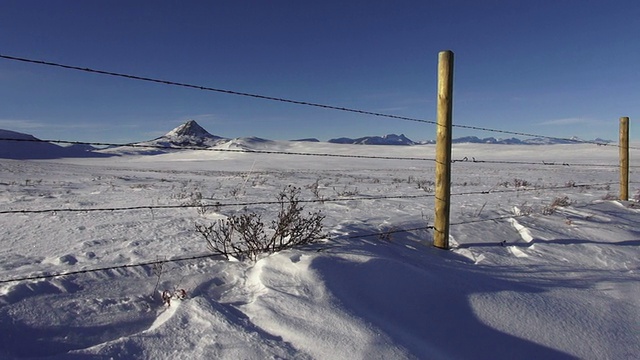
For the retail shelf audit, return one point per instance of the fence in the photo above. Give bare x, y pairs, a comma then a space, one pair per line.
443, 162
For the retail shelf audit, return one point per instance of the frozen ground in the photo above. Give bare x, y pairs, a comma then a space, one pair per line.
538, 282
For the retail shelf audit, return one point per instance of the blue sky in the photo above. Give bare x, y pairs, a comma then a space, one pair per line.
557, 68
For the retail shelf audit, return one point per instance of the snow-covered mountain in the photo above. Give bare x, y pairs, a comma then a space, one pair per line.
390, 139
189, 134
20, 146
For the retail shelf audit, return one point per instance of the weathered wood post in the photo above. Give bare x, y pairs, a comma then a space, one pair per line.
443, 149
624, 158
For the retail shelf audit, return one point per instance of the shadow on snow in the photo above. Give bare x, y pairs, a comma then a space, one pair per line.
419, 296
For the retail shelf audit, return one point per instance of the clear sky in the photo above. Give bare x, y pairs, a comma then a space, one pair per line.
552, 67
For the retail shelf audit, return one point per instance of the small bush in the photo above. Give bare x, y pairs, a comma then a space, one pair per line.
561, 202
315, 189
557, 202
346, 192
609, 196
520, 183
387, 234
236, 191
426, 185
245, 236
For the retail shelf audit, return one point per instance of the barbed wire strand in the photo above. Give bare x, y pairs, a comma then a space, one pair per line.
188, 258
323, 200
213, 255
218, 255
107, 268
487, 220
207, 88
569, 140
215, 205
526, 189
246, 151
271, 152
284, 100
465, 160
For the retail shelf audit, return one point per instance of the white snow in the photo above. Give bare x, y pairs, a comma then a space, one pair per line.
535, 283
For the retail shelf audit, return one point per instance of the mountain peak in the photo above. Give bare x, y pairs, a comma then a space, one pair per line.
189, 134
190, 128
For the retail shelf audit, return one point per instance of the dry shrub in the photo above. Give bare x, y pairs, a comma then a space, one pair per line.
556, 203
245, 235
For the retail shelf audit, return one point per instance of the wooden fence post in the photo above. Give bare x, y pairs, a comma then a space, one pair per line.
624, 158
443, 149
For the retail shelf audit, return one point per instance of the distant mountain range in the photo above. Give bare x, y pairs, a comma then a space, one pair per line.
390, 139
529, 141
393, 139
192, 135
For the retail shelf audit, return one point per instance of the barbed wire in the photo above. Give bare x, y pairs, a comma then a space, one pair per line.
504, 217
297, 102
220, 256
207, 88
320, 200
107, 268
521, 189
246, 151
570, 140
542, 163
215, 205
187, 258
214, 255
272, 152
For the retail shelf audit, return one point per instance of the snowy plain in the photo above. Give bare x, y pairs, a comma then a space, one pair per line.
524, 279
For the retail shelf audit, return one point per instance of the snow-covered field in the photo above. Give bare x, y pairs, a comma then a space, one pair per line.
537, 282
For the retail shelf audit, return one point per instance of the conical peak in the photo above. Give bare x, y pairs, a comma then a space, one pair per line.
190, 128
